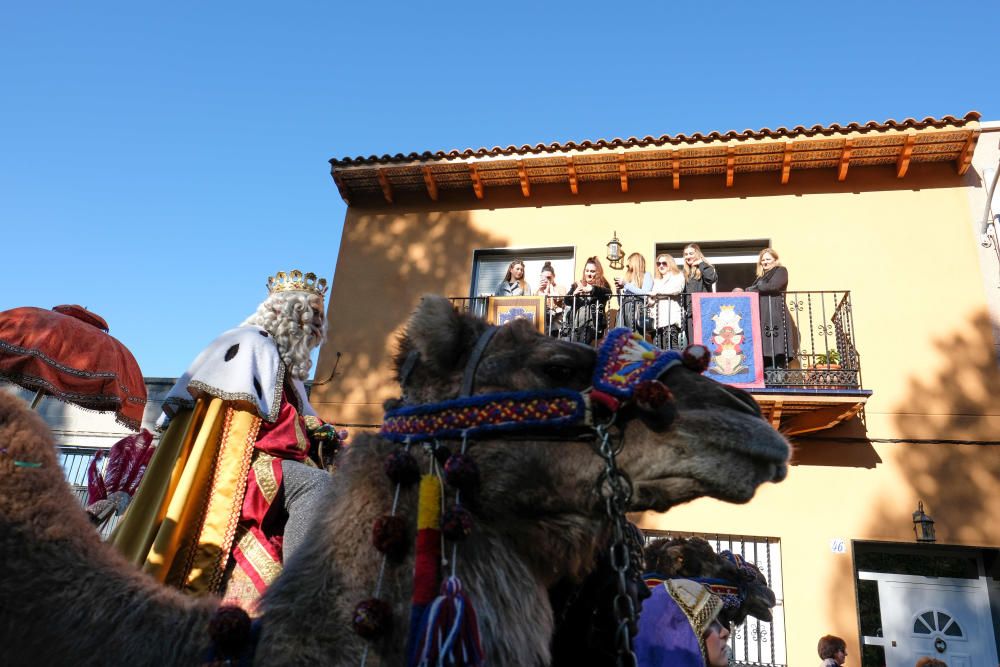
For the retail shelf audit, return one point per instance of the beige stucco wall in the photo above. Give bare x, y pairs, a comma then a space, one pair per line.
903, 247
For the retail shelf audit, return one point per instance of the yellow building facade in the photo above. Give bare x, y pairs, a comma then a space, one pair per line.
881, 212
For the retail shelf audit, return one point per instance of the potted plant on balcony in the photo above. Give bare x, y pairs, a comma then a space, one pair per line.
820, 370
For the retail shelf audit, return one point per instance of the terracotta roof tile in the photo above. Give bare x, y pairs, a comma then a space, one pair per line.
672, 158
662, 140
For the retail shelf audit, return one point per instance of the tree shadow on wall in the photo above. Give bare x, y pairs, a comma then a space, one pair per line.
387, 262
957, 482
959, 400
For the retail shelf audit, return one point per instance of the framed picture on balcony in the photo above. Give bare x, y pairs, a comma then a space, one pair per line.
504, 309
728, 324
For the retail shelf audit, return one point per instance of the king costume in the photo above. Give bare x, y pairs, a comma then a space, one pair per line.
231, 489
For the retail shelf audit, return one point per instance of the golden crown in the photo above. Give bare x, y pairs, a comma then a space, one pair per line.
296, 281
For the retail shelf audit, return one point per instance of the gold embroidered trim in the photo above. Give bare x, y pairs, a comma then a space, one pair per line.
258, 557
264, 472
248, 449
218, 571
301, 440
699, 617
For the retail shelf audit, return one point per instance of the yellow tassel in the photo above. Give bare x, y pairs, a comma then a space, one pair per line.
429, 507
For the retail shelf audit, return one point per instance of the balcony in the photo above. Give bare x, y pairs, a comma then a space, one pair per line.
812, 370
75, 462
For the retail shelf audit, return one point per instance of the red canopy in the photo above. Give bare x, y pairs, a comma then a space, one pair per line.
67, 353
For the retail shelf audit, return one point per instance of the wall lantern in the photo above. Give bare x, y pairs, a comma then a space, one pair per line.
615, 253
923, 525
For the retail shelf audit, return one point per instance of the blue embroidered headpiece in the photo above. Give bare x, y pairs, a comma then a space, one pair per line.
624, 361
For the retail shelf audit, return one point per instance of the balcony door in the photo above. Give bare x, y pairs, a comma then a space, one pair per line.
736, 261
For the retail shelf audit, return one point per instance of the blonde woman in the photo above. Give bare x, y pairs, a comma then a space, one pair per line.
699, 275
631, 292
514, 284
665, 308
777, 335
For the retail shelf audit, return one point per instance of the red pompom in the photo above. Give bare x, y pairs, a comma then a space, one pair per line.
456, 524
696, 357
229, 629
402, 468
442, 454
372, 618
461, 472
389, 536
652, 395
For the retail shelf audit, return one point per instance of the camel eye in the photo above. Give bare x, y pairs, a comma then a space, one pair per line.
558, 372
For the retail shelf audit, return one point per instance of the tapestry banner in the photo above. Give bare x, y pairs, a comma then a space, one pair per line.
728, 324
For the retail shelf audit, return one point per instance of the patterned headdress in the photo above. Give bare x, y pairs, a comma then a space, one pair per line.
672, 623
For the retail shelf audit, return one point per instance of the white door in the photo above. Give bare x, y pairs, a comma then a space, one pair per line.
947, 619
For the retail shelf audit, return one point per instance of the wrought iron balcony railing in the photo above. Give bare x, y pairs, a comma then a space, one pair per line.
75, 462
807, 338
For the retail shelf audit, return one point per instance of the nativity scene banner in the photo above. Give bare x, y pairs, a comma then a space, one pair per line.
727, 323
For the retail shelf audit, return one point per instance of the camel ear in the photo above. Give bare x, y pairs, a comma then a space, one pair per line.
435, 331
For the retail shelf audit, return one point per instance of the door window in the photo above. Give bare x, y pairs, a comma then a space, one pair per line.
929, 622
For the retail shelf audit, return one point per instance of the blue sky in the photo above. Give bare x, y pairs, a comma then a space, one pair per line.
158, 162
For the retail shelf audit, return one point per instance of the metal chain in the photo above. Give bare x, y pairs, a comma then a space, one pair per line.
615, 487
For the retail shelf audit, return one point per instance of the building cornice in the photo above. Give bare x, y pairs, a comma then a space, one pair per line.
380, 179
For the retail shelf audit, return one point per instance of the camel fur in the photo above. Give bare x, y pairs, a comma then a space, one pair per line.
66, 598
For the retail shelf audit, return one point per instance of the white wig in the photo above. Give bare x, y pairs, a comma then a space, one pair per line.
288, 317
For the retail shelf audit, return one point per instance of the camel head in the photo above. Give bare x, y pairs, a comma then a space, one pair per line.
694, 558
718, 445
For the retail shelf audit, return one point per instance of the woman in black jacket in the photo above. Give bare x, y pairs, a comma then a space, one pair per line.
777, 333
699, 275
585, 302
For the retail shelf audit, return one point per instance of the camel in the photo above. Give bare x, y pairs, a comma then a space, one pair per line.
66, 598
694, 558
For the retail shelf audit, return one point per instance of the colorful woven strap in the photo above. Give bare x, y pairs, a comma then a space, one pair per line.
486, 414
624, 360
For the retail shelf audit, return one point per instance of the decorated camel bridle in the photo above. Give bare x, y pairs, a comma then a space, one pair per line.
443, 627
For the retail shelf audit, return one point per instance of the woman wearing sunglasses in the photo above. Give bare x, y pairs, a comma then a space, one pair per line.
665, 308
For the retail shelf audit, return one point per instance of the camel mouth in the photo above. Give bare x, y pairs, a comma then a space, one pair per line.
726, 459
663, 493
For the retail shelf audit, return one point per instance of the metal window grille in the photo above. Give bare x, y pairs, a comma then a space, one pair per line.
754, 643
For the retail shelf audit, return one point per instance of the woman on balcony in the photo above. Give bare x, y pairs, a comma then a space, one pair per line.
514, 284
665, 309
584, 319
699, 275
777, 335
632, 290
553, 294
